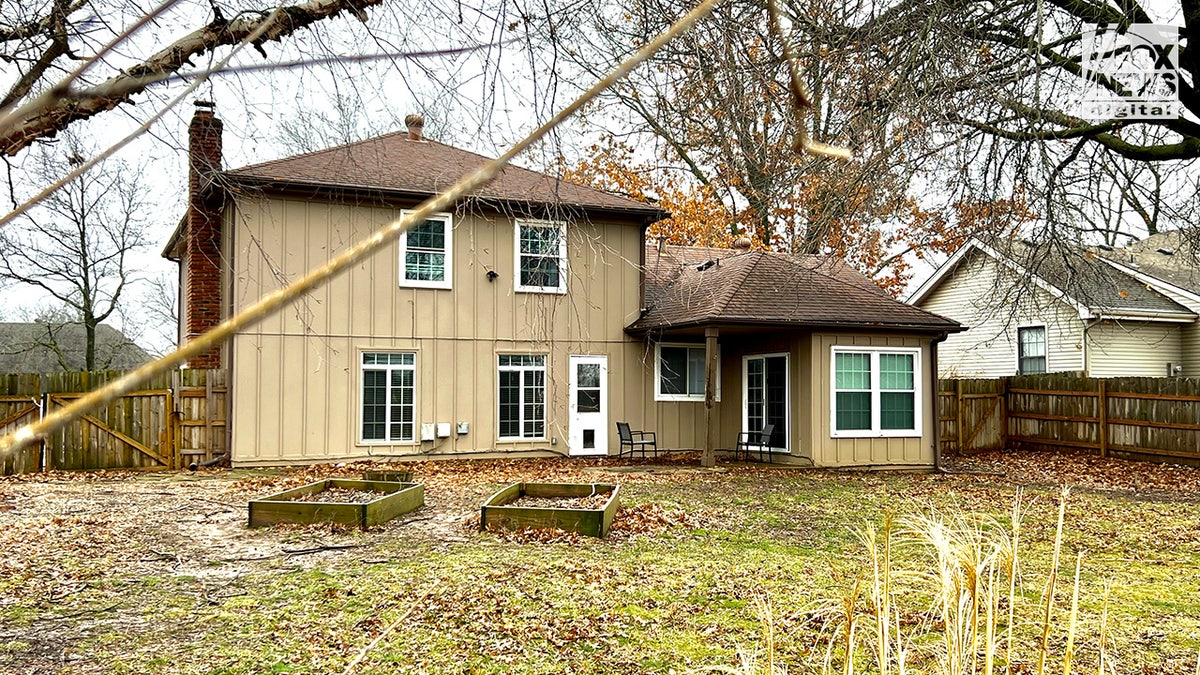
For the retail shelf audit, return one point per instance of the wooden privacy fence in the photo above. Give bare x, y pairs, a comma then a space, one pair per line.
176, 419
1136, 417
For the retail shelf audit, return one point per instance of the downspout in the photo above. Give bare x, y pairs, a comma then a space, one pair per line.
933, 385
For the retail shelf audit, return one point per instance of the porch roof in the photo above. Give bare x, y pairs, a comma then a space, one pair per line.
694, 286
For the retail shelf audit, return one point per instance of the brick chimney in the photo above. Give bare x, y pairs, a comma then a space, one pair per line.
202, 259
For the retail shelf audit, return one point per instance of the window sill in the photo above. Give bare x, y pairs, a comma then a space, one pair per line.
437, 285
869, 433
543, 290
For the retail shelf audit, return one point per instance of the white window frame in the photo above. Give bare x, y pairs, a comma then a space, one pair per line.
875, 431
659, 396
561, 288
545, 370
1045, 344
362, 368
448, 282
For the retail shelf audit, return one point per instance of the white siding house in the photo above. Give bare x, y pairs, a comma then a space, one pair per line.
1030, 311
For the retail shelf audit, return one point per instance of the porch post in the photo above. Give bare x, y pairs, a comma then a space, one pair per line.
709, 458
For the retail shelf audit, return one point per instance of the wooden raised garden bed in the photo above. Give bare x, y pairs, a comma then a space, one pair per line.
392, 475
347, 504
532, 505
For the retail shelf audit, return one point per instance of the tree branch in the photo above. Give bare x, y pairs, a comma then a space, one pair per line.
60, 112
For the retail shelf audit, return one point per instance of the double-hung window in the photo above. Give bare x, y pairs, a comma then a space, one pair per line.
1031, 350
426, 254
876, 392
388, 396
522, 396
541, 256
679, 373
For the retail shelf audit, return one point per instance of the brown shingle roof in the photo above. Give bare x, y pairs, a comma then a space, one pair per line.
394, 163
690, 286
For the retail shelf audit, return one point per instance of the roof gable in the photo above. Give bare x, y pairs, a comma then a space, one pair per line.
397, 164
1076, 277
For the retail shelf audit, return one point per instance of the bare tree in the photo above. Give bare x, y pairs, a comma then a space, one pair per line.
76, 246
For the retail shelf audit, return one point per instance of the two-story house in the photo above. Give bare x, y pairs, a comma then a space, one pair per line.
529, 319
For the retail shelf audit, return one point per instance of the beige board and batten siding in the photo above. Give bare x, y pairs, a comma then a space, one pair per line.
297, 379
893, 452
1132, 348
992, 303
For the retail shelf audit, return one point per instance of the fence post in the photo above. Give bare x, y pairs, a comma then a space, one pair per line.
1003, 419
958, 415
1102, 415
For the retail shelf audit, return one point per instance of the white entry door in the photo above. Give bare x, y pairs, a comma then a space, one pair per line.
588, 431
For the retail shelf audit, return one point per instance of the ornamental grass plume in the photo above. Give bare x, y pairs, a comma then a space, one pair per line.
945, 594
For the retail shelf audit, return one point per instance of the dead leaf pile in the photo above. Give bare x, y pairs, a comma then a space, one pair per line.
1080, 469
654, 519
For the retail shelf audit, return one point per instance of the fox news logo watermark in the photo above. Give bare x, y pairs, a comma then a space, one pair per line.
1131, 73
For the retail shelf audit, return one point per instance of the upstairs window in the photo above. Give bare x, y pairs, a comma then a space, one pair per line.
541, 256
1031, 350
426, 253
876, 392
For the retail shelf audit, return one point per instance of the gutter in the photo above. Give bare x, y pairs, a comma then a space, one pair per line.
933, 380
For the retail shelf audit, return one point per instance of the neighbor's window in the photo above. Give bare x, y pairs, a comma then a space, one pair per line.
388, 393
1031, 350
541, 256
679, 373
876, 392
522, 396
425, 253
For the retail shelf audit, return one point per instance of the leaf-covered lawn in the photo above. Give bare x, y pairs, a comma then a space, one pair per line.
158, 573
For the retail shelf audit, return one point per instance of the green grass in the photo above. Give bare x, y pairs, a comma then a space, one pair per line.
667, 602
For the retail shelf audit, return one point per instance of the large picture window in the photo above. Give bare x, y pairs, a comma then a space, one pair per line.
1031, 350
679, 373
426, 258
541, 256
876, 392
388, 396
522, 396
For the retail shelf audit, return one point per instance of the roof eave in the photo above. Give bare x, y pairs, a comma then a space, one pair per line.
955, 327
170, 251
1128, 314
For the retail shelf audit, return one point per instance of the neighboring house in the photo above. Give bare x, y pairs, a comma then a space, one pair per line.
531, 318
53, 347
1036, 310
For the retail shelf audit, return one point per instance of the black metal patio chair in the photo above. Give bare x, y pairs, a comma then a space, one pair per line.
633, 440
754, 440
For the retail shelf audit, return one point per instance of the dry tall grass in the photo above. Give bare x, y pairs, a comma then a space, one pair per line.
955, 606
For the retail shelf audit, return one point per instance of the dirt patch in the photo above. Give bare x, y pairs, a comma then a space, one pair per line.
338, 496
591, 502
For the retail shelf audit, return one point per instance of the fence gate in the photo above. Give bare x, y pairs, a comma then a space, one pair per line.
132, 433
16, 411
972, 414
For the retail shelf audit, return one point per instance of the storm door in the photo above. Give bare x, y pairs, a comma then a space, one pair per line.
588, 432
